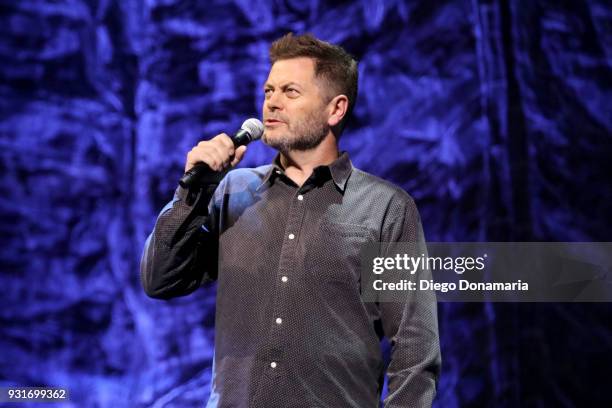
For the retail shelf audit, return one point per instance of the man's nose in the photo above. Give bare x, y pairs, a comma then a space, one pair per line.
273, 102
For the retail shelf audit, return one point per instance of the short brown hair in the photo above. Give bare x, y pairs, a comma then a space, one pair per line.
333, 64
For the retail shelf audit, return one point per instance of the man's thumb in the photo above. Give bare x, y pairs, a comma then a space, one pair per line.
238, 155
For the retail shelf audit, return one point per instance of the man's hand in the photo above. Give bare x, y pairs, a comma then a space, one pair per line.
218, 153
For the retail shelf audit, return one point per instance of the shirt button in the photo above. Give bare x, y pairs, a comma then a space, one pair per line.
273, 364
291, 236
284, 279
300, 197
279, 320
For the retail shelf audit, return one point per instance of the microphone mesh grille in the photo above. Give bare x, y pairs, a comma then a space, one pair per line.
254, 127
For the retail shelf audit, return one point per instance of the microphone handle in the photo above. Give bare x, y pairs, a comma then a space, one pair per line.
200, 174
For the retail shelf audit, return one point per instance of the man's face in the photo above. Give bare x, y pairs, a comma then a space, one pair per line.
294, 109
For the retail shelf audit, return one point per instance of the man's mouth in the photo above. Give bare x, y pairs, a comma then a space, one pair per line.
273, 122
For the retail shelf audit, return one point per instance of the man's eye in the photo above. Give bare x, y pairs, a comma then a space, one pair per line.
292, 92
267, 92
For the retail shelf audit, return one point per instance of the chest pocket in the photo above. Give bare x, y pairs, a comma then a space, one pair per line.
334, 257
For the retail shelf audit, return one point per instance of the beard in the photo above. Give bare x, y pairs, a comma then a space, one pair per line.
301, 134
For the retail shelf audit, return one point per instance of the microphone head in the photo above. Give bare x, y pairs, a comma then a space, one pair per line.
254, 127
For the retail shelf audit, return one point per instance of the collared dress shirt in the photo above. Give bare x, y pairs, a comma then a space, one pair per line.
291, 329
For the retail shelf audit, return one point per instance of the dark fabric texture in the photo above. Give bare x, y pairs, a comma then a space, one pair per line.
291, 327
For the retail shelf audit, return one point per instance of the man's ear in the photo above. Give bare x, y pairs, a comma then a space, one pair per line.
338, 107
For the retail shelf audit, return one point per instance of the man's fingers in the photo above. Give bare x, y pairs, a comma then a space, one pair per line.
227, 142
218, 153
221, 154
239, 155
204, 154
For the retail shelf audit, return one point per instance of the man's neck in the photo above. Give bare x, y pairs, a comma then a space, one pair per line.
298, 165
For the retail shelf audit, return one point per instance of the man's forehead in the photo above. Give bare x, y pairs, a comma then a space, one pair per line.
299, 70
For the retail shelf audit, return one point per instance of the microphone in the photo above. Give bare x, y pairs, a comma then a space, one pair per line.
251, 129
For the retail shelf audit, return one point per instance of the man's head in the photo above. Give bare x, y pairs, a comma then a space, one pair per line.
310, 92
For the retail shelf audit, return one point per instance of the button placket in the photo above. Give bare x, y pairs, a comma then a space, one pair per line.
287, 260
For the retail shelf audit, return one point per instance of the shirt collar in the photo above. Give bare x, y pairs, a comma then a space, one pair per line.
340, 170
275, 170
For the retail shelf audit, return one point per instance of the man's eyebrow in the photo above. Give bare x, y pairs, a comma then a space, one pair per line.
267, 85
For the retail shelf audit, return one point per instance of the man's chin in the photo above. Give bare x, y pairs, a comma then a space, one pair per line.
274, 141
285, 143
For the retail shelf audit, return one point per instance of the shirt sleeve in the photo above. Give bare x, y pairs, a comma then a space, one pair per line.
182, 251
411, 325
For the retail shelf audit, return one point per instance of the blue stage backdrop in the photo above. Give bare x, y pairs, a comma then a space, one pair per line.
494, 115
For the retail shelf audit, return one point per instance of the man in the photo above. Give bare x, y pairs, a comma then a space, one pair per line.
283, 242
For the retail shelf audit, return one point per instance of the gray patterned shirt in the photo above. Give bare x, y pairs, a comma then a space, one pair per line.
291, 327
